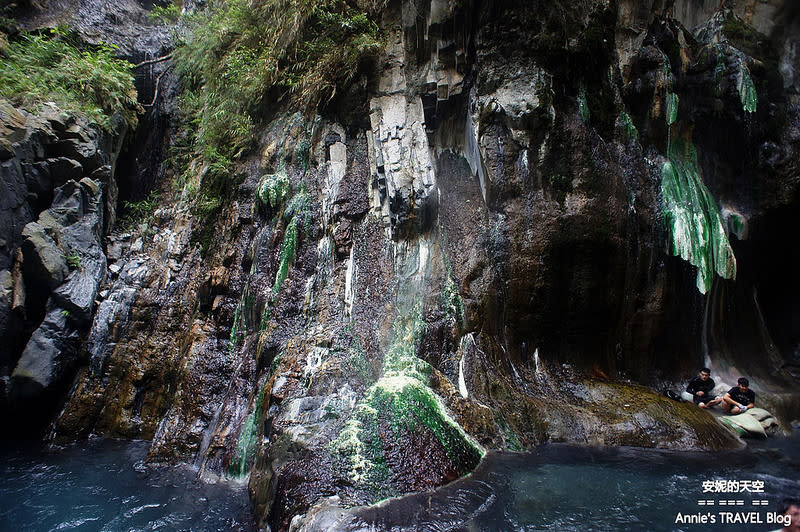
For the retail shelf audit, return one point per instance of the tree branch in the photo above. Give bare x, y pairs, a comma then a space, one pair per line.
156, 60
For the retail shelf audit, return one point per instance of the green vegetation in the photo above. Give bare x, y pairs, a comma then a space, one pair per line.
451, 301
628, 126
73, 260
236, 333
137, 212
288, 251
52, 67
303, 154
357, 362
169, 14
510, 438
274, 189
742, 36
237, 57
698, 234
583, 105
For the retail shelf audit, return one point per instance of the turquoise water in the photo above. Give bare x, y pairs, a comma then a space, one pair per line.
569, 488
103, 485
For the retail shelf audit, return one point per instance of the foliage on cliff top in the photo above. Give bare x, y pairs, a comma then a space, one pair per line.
238, 57
50, 67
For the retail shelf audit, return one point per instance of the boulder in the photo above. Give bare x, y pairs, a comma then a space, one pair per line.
86, 153
78, 294
45, 260
47, 359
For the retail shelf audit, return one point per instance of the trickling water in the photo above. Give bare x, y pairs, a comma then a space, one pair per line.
349, 290
314, 359
541, 375
473, 155
747, 90
462, 383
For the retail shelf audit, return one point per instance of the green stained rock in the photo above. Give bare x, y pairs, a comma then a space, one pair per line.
583, 105
747, 90
736, 224
719, 70
274, 189
288, 250
236, 333
628, 127
248, 438
400, 403
672, 108
698, 234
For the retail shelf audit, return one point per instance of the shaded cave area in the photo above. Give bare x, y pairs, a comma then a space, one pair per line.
754, 322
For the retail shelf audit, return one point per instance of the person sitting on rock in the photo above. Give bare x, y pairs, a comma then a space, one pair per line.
701, 388
739, 398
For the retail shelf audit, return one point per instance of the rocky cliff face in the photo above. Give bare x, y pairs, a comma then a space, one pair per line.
532, 213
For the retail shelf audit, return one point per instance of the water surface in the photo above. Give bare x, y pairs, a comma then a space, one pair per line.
571, 488
103, 485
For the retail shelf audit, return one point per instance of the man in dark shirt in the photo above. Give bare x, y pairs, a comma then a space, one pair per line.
702, 388
739, 398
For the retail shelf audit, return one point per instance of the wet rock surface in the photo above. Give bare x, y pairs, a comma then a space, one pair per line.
485, 261
52, 254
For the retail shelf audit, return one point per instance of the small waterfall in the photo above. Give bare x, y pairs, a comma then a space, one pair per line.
248, 438
402, 396
349, 284
462, 384
473, 154
337, 166
541, 375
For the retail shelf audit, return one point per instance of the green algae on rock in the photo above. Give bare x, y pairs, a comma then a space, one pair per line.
399, 406
583, 105
274, 189
672, 108
747, 90
628, 126
696, 228
248, 438
288, 251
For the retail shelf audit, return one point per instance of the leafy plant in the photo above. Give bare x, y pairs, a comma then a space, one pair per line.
238, 56
73, 260
170, 13
39, 68
139, 211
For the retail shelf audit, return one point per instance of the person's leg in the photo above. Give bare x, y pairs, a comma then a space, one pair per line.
727, 404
